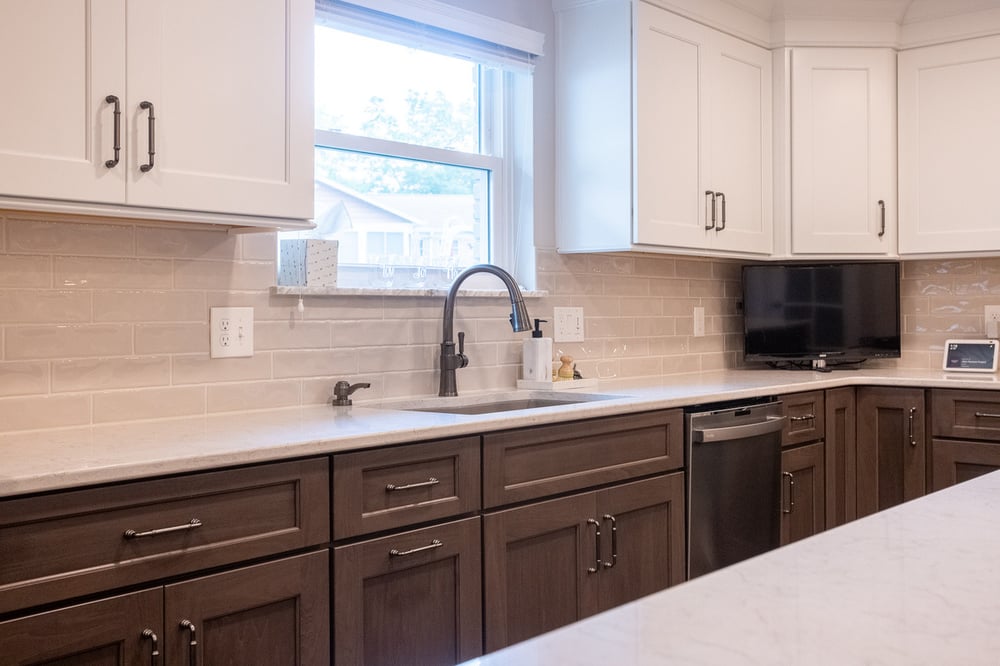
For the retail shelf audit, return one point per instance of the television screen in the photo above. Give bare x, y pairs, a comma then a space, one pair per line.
835, 311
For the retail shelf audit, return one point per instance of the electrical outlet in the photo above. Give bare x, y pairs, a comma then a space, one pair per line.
992, 313
699, 322
231, 331
568, 325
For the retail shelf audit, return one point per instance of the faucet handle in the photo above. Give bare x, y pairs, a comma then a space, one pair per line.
342, 390
463, 360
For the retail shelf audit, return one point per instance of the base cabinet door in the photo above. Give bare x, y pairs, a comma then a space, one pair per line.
410, 598
955, 461
272, 613
891, 447
540, 563
803, 493
840, 456
119, 631
642, 527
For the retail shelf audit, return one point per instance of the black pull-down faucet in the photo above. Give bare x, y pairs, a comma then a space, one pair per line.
450, 361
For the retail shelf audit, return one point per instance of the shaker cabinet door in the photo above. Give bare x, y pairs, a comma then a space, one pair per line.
59, 61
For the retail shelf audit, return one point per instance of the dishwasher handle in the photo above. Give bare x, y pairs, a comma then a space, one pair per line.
727, 433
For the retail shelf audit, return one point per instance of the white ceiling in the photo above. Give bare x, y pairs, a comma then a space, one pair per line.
897, 11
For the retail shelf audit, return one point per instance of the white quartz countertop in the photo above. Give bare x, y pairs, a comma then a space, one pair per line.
39, 461
915, 584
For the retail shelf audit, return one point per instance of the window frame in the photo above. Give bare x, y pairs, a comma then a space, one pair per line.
502, 127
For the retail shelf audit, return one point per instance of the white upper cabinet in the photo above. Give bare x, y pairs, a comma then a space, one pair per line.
634, 163
949, 139
843, 151
59, 60
215, 100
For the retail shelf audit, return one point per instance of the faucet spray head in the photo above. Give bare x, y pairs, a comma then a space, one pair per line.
520, 320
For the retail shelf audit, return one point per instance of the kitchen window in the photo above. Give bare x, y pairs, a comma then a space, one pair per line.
423, 142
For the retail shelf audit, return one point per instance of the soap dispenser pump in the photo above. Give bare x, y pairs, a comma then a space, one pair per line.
536, 356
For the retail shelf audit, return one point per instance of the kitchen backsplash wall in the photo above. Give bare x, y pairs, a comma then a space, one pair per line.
108, 321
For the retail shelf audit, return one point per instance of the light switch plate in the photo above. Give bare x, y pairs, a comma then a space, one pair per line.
568, 324
231, 331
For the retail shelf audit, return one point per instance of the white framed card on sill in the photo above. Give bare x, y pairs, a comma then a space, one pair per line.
970, 355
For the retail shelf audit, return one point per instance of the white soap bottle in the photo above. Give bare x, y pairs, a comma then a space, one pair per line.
536, 356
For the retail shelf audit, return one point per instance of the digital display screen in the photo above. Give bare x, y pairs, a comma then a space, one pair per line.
973, 355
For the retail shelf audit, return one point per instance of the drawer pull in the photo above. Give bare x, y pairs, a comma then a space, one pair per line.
190, 525
151, 130
113, 99
192, 641
154, 655
390, 487
987, 415
435, 543
805, 417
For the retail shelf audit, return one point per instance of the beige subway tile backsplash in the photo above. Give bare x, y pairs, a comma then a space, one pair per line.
67, 341
100, 374
108, 321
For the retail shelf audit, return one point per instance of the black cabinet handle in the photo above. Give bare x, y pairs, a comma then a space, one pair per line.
881, 205
192, 642
154, 655
722, 196
113, 99
148, 106
791, 492
597, 546
614, 541
913, 413
709, 219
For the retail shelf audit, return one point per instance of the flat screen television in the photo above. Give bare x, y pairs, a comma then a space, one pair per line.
822, 311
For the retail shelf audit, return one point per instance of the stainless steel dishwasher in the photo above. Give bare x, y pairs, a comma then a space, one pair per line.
733, 454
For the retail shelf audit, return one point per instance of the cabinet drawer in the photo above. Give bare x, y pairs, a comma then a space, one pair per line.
966, 414
73, 543
535, 462
806, 418
382, 489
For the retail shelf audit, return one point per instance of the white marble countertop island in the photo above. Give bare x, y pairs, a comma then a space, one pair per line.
915, 584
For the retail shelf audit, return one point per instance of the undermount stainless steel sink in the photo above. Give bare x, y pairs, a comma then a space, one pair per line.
508, 404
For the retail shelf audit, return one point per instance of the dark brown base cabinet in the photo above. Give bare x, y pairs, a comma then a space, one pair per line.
840, 456
410, 598
955, 461
271, 613
891, 460
959, 418
553, 562
803, 510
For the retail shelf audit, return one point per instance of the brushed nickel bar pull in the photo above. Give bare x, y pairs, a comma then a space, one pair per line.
881, 205
152, 135
987, 415
435, 543
614, 541
722, 195
597, 546
709, 193
113, 99
192, 642
390, 487
804, 417
154, 655
192, 524
791, 492
913, 412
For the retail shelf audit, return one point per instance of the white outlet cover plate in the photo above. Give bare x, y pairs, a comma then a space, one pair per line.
568, 325
231, 331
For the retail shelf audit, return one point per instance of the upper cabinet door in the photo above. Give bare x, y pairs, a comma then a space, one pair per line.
739, 144
59, 61
670, 129
231, 91
843, 145
949, 138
